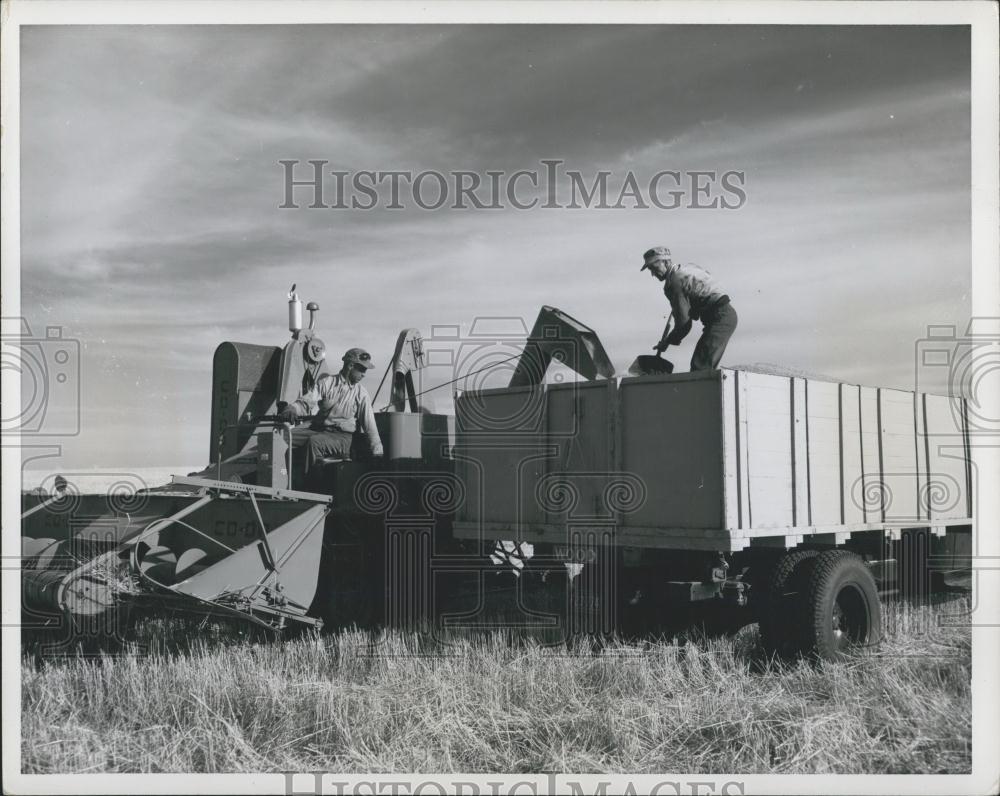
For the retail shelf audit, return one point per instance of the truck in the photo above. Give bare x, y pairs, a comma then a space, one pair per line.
603, 504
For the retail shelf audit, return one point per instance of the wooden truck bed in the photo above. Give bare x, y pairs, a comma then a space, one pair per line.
713, 460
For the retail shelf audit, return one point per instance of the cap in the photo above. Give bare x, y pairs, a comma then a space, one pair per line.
358, 356
653, 255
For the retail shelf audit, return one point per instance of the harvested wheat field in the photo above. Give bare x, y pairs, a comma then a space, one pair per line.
180, 699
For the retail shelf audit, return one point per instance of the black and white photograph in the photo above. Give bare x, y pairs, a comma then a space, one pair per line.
500, 398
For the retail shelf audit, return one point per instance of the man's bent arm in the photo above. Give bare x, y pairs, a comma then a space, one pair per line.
666, 331
366, 419
308, 403
679, 333
681, 308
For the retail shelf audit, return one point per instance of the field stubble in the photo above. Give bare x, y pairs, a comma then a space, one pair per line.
179, 700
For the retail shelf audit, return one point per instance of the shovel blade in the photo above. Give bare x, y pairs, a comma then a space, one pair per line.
650, 365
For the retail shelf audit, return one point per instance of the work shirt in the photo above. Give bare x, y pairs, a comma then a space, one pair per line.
340, 406
691, 291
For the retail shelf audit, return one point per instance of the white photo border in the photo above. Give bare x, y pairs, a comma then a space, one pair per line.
980, 15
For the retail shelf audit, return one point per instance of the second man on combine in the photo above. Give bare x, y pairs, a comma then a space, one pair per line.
341, 408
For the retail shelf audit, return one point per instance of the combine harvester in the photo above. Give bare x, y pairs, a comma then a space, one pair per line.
616, 501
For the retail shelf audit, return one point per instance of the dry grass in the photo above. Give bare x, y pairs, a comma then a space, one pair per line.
347, 703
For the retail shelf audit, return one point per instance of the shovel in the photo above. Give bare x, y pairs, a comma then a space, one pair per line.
650, 365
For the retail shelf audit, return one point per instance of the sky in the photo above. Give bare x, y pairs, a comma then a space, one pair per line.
151, 229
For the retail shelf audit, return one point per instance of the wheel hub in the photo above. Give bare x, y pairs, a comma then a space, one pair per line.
848, 618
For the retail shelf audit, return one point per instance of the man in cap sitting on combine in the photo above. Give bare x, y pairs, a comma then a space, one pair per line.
693, 295
341, 408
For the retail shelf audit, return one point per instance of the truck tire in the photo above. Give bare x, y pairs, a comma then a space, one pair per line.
841, 609
776, 613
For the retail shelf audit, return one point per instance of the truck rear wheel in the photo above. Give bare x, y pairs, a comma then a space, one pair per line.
841, 611
776, 612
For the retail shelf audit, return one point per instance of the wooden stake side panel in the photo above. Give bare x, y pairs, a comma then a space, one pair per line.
850, 456
733, 431
500, 454
578, 479
867, 492
800, 449
672, 440
851, 449
900, 466
824, 449
770, 450
947, 487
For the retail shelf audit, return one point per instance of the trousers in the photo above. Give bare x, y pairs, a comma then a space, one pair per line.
310, 446
719, 325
